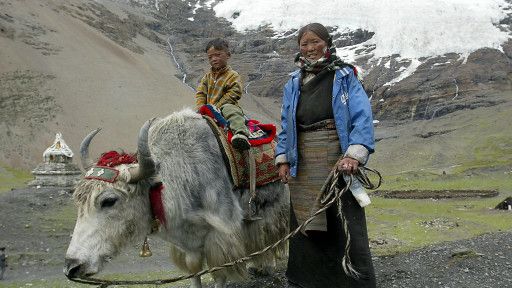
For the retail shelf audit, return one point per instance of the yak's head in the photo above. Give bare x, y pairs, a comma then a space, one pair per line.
113, 206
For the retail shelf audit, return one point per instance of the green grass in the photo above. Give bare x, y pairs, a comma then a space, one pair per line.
403, 221
494, 150
430, 181
16, 259
59, 220
399, 221
13, 178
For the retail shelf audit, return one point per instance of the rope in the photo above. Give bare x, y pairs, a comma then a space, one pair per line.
332, 195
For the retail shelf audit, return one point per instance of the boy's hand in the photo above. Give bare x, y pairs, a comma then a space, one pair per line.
284, 172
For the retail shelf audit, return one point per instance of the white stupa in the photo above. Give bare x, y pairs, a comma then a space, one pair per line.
57, 168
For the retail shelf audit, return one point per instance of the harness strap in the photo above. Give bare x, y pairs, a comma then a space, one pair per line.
251, 210
252, 173
219, 137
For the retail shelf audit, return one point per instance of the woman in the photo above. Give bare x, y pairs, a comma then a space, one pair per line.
326, 121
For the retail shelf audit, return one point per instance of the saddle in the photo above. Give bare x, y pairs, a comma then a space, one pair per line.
260, 156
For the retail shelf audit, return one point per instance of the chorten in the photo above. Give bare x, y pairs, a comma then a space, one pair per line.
57, 168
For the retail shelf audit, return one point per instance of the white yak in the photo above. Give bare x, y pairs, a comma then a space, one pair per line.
203, 211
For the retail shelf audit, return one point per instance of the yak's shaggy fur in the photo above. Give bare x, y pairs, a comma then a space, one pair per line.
203, 211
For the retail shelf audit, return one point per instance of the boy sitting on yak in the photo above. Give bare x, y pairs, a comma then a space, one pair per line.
222, 88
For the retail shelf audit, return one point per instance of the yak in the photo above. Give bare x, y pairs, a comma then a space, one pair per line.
203, 211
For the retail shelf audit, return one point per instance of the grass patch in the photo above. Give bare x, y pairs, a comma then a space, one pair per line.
425, 180
495, 150
59, 220
17, 259
13, 178
413, 224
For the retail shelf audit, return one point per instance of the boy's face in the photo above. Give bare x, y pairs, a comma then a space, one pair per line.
218, 58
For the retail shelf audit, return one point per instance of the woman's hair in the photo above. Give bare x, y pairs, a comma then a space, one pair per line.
319, 30
217, 44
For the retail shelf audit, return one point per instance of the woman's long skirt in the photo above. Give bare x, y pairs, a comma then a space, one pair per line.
315, 260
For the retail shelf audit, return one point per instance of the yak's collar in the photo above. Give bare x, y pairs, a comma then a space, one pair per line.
157, 206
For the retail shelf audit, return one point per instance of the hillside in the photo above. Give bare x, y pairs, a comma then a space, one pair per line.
74, 66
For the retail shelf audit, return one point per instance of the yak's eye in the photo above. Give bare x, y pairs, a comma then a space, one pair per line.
108, 202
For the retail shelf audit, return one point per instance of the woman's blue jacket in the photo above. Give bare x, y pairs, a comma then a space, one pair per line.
352, 115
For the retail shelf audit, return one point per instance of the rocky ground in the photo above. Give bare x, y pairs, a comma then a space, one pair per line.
36, 224
481, 262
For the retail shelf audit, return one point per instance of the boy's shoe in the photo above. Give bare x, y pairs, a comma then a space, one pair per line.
240, 142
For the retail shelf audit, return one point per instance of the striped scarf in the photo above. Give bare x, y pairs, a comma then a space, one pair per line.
330, 61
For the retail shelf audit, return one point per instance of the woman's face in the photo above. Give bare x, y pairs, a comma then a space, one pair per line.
311, 46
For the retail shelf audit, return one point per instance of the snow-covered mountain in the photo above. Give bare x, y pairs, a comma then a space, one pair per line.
416, 56
412, 30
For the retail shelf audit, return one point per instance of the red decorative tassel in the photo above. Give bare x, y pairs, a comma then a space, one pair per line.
114, 158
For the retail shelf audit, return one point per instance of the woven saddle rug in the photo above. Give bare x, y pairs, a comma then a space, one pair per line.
238, 162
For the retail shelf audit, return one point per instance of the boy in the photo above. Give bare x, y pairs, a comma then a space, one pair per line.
222, 88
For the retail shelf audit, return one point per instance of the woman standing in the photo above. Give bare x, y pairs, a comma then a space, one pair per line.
326, 120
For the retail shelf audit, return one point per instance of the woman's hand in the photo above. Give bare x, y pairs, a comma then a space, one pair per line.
347, 165
284, 172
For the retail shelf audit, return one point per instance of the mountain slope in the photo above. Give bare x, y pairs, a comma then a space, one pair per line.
60, 71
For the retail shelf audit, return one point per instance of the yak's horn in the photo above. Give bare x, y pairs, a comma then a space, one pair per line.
84, 149
146, 167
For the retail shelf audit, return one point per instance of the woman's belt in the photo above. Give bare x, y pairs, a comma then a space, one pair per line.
328, 124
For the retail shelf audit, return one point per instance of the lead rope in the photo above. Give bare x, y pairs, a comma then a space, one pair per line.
332, 195
330, 188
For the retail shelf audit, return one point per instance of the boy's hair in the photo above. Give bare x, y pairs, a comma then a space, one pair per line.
218, 44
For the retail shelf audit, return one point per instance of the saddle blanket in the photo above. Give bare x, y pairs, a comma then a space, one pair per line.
237, 161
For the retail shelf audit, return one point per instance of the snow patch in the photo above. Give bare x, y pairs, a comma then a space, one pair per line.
196, 6
405, 72
208, 4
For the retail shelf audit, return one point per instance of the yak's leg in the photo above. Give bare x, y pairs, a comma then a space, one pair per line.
196, 282
220, 281
194, 264
189, 262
